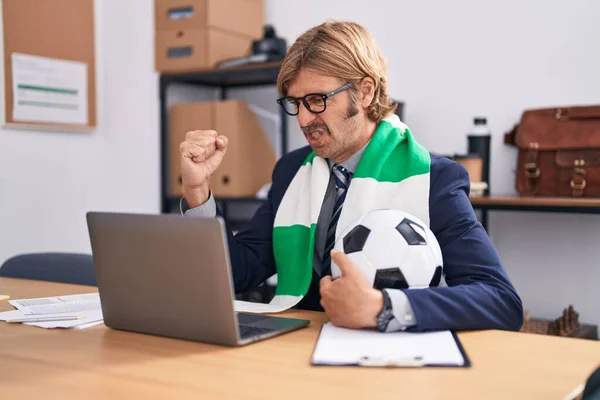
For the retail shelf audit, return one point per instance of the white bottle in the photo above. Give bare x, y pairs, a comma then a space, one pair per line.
480, 127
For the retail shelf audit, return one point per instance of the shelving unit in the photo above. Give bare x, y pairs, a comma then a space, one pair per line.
534, 204
222, 79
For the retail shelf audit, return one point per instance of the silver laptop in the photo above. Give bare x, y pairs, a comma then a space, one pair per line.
169, 275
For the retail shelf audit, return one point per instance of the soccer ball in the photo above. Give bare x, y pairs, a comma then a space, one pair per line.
393, 249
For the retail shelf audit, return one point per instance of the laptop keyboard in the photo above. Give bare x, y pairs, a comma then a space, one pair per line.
247, 331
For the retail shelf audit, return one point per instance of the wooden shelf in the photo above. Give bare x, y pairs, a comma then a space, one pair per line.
535, 204
516, 201
242, 76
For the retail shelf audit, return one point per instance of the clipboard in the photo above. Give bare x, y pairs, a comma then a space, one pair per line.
368, 348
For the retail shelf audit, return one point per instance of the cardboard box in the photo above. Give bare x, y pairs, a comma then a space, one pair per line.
195, 49
250, 157
242, 17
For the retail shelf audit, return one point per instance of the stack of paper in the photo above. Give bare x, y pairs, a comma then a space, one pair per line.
86, 307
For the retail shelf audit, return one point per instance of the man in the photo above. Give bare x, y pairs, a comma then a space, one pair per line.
334, 79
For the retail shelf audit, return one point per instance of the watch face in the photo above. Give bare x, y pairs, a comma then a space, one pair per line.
383, 320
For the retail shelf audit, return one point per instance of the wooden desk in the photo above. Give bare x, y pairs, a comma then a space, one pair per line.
98, 363
539, 204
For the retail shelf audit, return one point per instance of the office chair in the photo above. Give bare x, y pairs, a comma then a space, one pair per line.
54, 267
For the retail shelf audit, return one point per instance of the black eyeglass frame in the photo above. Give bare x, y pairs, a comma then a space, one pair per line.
297, 100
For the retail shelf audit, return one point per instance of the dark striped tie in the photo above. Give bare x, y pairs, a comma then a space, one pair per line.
342, 180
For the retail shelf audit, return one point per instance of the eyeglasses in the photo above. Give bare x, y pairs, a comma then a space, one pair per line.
316, 103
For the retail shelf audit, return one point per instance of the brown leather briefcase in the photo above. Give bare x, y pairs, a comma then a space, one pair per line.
559, 152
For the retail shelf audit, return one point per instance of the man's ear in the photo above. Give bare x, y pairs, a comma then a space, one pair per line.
367, 91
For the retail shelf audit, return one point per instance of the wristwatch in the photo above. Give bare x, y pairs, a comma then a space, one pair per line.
386, 315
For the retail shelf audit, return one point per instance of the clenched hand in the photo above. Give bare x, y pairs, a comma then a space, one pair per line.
201, 154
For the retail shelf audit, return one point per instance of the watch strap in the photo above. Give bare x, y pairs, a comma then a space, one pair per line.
386, 314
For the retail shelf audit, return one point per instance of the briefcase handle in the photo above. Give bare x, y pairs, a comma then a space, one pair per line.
577, 113
563, 114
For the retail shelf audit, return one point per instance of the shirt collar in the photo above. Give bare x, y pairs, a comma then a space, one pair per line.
351, 162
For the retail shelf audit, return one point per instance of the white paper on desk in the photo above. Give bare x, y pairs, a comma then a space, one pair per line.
14, 314
90, 318
278, 304
60, 304
89, 324
340, 346
94, 297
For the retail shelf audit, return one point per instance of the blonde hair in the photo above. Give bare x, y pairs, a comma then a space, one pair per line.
345, 50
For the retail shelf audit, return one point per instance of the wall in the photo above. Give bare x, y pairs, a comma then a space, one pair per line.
49, 180
447, 61
450, 61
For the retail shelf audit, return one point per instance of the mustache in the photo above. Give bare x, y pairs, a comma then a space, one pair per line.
314, 126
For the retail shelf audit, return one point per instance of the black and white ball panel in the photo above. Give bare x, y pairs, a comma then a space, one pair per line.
412, 232
437, 277
385, 248
390, 278
355, 239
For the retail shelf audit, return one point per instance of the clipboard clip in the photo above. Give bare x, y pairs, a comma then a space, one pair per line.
416, 361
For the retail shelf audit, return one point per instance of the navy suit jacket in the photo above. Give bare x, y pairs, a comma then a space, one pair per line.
479, 294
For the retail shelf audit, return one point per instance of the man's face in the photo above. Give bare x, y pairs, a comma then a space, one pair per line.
334, 133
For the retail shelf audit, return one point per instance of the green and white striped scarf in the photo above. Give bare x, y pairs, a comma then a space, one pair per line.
393, 173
